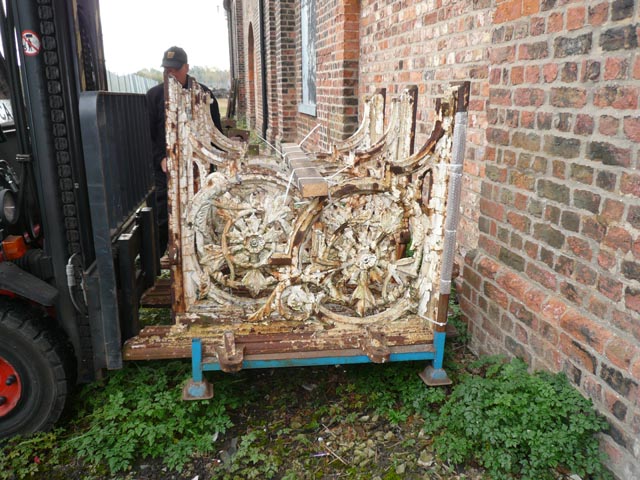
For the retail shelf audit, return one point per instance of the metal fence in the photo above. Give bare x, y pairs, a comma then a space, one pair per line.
129, 83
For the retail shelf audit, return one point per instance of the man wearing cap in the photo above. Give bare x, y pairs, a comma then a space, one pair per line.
175, 63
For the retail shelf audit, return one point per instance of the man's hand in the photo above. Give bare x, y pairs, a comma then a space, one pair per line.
163, 164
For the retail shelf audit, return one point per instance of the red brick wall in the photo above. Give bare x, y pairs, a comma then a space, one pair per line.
556, 275
550, 232
429, 44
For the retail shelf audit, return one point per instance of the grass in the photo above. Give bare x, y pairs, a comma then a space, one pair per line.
356, 422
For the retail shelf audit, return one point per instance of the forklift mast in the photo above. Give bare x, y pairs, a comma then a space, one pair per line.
85, 152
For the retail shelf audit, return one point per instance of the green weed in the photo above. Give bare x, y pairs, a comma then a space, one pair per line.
519, 425
135, 413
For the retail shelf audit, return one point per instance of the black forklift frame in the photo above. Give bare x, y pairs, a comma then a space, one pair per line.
91, 157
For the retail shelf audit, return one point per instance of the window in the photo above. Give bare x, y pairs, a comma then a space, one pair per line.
308, 27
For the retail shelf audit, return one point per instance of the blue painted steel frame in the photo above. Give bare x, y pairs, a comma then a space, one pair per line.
198, 367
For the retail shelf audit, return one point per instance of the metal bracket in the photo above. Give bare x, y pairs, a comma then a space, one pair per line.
434, 377
374, 344
230, 357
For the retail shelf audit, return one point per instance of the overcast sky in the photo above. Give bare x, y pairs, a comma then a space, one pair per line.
137, 32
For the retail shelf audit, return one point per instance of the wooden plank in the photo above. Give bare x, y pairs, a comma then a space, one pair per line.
159, 295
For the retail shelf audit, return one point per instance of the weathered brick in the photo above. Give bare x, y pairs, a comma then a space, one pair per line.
630, 184
591, 71
616, 69
544, 120
533, 51
598, 14
569, 72
550, 72
633, 217
593, 228
546, 5
632, 298
566, 97
542, 276
584, 330
526, 141
498, 136
612, 211
520, 312
492, 209
554, 308
495, 173
587, 200
553, 191
618, 238
567, 46
626, 321
617, 380
631, 270
635, 249
488, 267
534, 299
606, 180
552, 214
622, 9
573, 373
598, 307
517, 349
606, 260
570, 292
615, 406
578, 353
620, 352
562, 147
547, 257
565, 266
585, 274
500, 55
582, 173
609, 154
496, 294
507, 11
622, 98
580, 247
537, 26
532, 74
610, 287
576, 17
631, 128
511, 259
548, 235
558, 169
619, 38
519, 222
608, 125
584, 125
529, 97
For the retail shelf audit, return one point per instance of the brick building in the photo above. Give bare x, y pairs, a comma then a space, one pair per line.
549, 241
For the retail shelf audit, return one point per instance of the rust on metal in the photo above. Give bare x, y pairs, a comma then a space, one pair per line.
260, 266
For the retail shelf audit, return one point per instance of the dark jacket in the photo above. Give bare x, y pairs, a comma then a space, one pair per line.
155, 102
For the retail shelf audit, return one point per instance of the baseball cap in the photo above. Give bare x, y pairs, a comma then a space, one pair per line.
174, 57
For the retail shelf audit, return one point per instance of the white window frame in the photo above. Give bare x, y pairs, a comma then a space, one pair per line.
308, 34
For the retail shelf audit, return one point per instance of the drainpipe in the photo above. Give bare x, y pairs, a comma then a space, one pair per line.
263, 68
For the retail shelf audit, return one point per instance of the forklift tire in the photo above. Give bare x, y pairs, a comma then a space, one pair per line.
34, 370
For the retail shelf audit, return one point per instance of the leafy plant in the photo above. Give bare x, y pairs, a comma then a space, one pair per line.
24, 457
519, 425
138, 413
133, 414
249, 458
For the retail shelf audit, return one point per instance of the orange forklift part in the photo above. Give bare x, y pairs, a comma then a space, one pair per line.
13, 247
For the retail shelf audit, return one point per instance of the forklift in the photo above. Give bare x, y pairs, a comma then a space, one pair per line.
270, 267
78, 238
